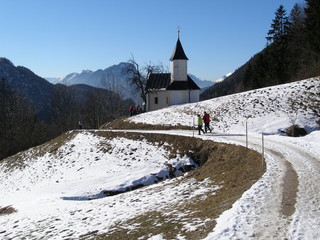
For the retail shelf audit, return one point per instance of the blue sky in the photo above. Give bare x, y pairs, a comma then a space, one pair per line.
58, 37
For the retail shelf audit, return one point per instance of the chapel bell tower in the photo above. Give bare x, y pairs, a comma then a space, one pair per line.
178, 63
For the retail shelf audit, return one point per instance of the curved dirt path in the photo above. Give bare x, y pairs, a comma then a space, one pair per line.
307, 210
280, 204
291, 199
284, 203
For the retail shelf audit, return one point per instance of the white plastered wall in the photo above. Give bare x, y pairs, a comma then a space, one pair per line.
171, 97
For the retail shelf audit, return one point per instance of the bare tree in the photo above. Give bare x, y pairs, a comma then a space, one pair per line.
139, 75
114, 101
64, 109
94, 110
17, 121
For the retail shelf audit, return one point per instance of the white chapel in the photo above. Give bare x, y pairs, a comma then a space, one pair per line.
176, 87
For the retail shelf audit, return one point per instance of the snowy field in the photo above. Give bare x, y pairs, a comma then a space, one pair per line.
50, 193
258, 214
266, 110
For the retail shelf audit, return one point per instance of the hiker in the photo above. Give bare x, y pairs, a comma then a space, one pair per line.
200, 123
206, 120
80, 124
131, 110
134, 112
138, 109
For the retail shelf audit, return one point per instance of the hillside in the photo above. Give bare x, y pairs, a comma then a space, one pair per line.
32, 87
32, 110
43, 95
269, 110
72, 187
291, 53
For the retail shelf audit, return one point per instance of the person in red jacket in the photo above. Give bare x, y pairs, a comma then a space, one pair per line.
206, 120
131, 110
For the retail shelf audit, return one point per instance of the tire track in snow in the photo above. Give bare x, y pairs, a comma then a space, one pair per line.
300, 196
307, 166
290, 190
290, 187
259, 213
269, 214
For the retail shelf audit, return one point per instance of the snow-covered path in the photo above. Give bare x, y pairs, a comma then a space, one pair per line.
264, 212
268, 216
284, 203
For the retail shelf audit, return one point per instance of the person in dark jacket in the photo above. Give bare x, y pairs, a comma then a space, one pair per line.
80, 124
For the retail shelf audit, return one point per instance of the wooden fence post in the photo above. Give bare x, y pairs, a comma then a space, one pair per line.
193, 127
247, 133
262, 158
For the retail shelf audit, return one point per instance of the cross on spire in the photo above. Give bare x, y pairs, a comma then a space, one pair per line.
178, 52
178, 31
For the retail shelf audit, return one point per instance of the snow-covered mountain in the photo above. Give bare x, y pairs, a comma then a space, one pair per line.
201, 82
62, 189
205, 84
53, 80
112, 78
100, 78
222, 78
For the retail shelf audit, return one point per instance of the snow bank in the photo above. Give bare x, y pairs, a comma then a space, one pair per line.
265, 110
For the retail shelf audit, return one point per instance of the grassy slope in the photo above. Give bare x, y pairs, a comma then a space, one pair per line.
233, 168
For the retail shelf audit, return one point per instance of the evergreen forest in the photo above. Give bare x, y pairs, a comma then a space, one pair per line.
292, 53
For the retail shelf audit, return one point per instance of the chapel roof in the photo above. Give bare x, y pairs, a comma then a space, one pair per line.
163, 81
178, 52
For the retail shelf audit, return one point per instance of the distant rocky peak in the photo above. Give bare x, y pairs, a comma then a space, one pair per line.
5, 61
86, 71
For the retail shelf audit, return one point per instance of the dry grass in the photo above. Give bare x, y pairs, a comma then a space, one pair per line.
124, 124
233, 168
6, 210
20, 160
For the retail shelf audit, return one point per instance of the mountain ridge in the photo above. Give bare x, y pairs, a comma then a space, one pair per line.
37, 89
113, 78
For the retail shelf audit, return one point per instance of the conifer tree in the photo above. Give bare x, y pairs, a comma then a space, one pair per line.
296, 22
312, 24
278, 36
279, 26
297, 52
